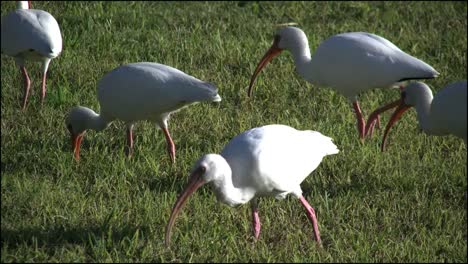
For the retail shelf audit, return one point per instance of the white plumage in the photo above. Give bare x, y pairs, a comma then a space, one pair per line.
31, 34
350, 63
275, 159
271, 160
448, 112
140, 91
444, 114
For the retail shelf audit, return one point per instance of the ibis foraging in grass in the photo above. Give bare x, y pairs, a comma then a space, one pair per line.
350, 63
271, 160
444, 114
31, 34
139, 91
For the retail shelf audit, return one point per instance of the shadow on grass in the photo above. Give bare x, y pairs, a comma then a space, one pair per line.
29, 160
175, 183
58, 236
335, 188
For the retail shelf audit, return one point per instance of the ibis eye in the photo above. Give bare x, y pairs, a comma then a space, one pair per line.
203, 169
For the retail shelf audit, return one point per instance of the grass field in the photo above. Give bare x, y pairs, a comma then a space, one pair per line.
407, 204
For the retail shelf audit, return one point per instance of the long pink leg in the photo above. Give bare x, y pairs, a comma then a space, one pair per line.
129, 147
170, 144
372, 125
44, 78
312, 217
27, 85
361, 124
371, 129
45, 66
255, 219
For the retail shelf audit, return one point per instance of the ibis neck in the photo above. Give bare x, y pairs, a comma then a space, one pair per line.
227, 193
97, 122
303, 61
423, 108
22, 4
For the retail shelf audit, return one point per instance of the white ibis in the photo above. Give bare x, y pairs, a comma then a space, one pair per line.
31, 34
271, 160
444, 114
349, 63
139, 91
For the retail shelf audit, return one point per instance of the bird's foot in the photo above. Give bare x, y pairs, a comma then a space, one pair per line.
370, 132
255, 219
128, 151
369, 129
171, 151
23, 108
256, 227
25, 96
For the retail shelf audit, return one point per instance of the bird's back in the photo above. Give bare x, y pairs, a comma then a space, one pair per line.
276, 158
357, 61
31, 30
143, 91
448, 110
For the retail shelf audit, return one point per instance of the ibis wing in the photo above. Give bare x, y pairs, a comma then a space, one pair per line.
357, 61
276, 157
448, 110
148, 88
26, 30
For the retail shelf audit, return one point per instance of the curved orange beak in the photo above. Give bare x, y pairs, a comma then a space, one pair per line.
195, 182
76, 142
402, 107
377, 112
269, 55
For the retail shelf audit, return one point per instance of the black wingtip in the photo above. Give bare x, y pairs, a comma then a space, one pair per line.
211, 86
418, 78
